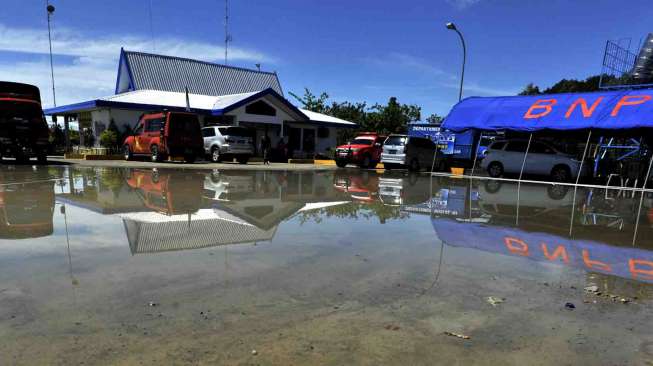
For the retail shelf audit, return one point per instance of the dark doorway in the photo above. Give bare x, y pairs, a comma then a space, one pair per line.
294, 140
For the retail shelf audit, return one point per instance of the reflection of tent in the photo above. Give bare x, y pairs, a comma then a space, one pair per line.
150, 232
585, 254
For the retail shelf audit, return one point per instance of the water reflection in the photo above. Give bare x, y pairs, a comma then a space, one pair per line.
26, 209
537, 225
341, 255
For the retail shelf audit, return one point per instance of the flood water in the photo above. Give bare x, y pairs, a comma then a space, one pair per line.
142, 266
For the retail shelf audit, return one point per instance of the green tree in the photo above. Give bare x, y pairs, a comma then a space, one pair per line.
434, 119
311, 102
530, 89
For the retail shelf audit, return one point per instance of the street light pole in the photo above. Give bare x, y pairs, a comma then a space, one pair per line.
50, 9
452, 26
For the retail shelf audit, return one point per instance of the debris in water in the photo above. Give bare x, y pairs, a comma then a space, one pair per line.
254, 352
461, 336
152, 303
392, 327
570, 306
592, 289
494, 301
624, 300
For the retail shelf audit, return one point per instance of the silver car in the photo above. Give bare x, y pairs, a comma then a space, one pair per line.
228, 142
400, 151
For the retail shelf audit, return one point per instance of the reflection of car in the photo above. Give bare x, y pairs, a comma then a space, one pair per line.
227, 143
23, 130
26, 209
543, 159
159, 135
361, 187
407, 151
500, 198
228, 186
168, 192
402, 190
364, 150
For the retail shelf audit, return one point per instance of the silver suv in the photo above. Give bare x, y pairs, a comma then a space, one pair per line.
228, 142
401, 151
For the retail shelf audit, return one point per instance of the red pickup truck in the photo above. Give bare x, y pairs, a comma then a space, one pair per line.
364, 150
166, 134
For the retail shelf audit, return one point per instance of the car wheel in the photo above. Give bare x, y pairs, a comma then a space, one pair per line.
190, 159
561, 173
156, 156
127, 152
414, 165
215, 155
242, 159
495, 169
341, 163
492, 186
557, 191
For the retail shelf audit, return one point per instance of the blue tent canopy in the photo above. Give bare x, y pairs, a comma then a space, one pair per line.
623, 109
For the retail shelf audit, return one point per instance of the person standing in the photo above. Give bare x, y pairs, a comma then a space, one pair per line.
265, 148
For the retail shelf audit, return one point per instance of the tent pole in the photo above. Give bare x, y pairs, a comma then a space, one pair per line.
641, 199
472, 175
435, 154
521, 172
580, 170
476, 152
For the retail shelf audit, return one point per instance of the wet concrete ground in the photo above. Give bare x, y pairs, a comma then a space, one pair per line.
141, 266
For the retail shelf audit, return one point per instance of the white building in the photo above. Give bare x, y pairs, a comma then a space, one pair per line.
218, 94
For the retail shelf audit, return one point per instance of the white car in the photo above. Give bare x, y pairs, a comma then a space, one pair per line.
227, 142
543, 159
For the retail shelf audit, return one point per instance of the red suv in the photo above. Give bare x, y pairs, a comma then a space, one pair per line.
364, 150
166, 134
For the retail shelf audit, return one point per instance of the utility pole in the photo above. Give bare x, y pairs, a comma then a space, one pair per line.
227, 36
50, 9
152, 29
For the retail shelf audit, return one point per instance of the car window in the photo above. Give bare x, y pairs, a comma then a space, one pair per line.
234, 131
362, 142
396, 140
138, 129
208, 132
154, 125
498, 145
517, 146
539, 148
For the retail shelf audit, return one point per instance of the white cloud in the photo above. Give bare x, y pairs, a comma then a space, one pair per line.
462, 4
92, 71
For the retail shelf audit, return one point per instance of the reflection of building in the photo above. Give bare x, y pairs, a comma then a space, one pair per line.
150, 232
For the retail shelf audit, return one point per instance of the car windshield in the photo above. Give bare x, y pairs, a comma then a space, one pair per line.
234, 131
396, 140
362, 142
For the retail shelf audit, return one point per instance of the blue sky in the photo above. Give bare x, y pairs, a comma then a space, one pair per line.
359, 50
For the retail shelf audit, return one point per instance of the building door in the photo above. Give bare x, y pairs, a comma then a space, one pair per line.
309, 141
294, 140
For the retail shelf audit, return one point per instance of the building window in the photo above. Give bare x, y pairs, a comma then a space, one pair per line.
322, 132
261, 108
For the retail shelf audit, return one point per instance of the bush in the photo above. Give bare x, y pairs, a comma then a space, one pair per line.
109, 139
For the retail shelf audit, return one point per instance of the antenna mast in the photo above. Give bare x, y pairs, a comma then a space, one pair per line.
227, 37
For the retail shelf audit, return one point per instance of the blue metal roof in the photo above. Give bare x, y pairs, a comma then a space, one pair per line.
168, 73
621, 109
